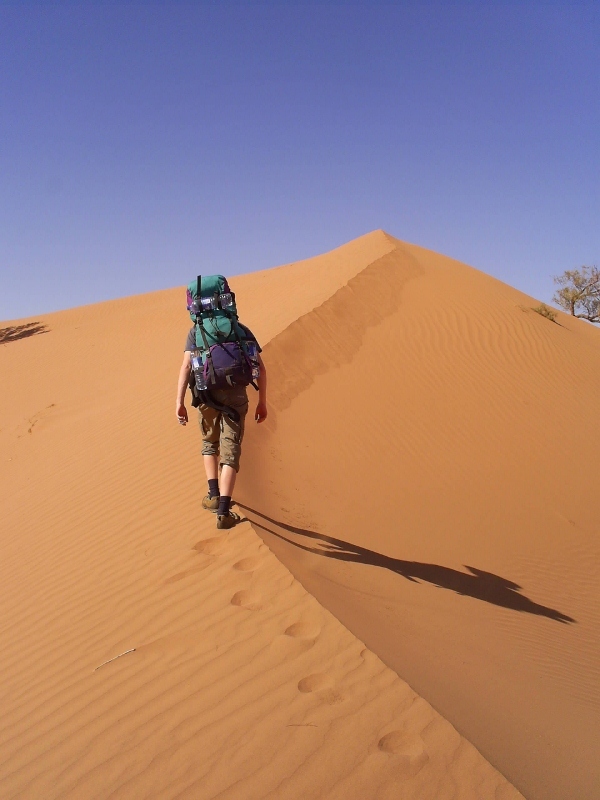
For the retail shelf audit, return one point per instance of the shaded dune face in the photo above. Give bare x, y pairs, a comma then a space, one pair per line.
427, 472
332, 334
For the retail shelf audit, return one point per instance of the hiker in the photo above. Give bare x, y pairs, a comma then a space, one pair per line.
221, 358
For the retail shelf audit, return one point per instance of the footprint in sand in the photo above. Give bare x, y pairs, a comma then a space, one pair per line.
408, 749
247, 598
248, 564
322, 685
212, 546
303, 630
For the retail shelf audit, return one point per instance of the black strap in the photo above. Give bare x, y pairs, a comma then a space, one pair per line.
211, 371
208, 400
193, 390
205, 398
240, 344
248, 362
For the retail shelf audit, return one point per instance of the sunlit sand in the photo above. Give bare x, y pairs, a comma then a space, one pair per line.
410, 609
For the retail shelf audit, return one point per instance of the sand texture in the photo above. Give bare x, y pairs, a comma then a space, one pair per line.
422, 418
432, 479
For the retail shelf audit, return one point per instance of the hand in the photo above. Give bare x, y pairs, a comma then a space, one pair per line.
182, 416
261, 412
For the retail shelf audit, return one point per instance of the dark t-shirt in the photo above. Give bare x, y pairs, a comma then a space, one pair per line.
190, 343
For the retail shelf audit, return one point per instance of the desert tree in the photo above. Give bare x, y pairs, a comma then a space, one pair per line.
580, 292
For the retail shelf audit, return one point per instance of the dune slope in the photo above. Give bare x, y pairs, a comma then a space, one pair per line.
144, 654
429, 474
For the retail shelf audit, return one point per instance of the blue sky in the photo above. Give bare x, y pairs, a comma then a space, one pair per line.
143, 142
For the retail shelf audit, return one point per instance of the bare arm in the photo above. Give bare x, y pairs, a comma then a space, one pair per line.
182, 384
261, 407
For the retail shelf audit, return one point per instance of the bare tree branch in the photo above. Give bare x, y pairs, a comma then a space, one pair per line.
580, 292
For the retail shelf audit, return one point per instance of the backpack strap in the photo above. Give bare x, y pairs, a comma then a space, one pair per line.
208, 400
243, 352
211, 370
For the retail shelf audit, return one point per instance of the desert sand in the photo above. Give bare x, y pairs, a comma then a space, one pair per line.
410, 609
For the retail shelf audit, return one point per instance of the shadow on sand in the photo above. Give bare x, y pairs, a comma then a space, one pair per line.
15, 332
476, 583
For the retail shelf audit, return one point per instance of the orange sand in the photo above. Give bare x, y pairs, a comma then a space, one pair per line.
477, 428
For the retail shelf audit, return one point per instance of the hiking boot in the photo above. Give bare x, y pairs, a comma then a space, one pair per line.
210, 503
227, 520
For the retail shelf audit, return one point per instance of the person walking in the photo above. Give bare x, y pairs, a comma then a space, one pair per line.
222, 422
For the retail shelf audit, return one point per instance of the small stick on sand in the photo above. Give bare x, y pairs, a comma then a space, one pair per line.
302, 725
114, 658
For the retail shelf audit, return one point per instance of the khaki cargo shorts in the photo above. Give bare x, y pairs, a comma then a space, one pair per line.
220, 434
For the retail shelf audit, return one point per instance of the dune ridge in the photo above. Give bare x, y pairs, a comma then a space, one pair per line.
145, 654
465, 465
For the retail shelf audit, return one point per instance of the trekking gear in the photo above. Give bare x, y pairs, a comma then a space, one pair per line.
224, 503
205, 398
211, 503
253, 355
225, 365
215, 295
213, 487
224, 356
226, 521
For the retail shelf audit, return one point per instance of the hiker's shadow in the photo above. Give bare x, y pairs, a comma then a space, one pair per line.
475, 583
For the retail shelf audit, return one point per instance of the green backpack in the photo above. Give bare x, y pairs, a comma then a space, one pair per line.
212, 308
225, 355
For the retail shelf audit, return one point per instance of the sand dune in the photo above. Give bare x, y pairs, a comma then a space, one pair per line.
431, 479
145, 655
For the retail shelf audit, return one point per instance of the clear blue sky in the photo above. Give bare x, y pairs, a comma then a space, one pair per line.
143, 142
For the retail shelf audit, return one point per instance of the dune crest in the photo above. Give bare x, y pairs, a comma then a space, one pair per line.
429, 480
